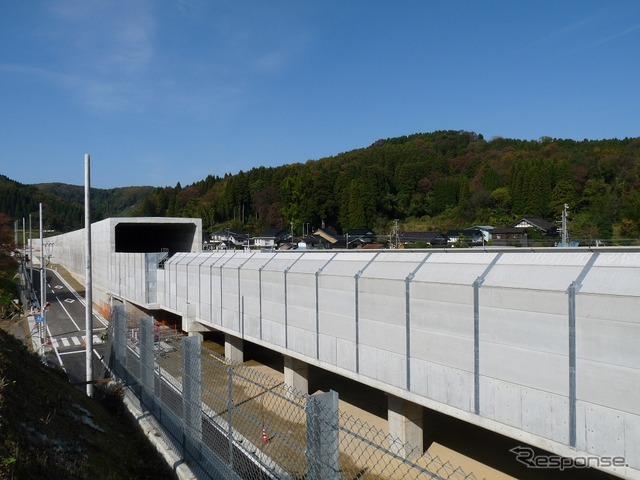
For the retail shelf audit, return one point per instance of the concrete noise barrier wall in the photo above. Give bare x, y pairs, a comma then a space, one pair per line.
540, 346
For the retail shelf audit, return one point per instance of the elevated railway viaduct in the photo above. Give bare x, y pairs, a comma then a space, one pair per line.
538, 345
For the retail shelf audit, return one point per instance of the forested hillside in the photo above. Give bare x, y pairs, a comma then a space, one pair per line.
440, 180
105, 203
18, 201
63, 205
427, 181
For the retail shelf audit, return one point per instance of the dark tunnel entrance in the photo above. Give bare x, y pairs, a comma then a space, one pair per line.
154, 237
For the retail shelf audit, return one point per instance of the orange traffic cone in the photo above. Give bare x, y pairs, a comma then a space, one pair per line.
265, 440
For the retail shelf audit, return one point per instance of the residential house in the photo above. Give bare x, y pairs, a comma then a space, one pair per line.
354, 238
359, 237
540, 224
312, 242
327, 238
374, 246
469, 236
272, 238
226, 239
510, 236
413, 239
486, 231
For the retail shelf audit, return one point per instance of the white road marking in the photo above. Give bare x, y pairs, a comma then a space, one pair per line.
67, 341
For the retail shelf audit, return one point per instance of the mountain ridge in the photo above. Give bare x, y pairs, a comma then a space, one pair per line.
439, 180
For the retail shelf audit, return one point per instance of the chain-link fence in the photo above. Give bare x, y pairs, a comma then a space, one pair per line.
230, 421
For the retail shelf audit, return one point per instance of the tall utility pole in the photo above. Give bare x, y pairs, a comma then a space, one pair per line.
30, 253
43, 283
88, 299
395, 233
565, 233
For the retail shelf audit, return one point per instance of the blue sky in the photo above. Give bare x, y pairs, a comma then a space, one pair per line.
161, 91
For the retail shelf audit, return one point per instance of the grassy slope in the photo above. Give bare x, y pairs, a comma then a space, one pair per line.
51, 430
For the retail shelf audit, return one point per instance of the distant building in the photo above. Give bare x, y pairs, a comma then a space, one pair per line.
327, 238
373, 246
510, 237
312, 242
226, 239
413, 239
272, 238
359, 237
486, 231
470, 236
354, 238
540, 224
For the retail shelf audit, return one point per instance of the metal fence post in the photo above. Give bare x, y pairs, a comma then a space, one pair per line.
476, 344
147, 367
323, 436
477, 284
571, 291
119, 342
192, 394
230, 414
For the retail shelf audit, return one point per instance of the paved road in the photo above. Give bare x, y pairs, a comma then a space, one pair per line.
65, 322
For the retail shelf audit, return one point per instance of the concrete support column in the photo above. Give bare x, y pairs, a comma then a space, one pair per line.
130, 309
296, 374
189, 322
233, 348
196, 334
406, 424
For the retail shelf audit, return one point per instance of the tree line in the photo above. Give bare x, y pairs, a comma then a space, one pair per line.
63, 204
426, 181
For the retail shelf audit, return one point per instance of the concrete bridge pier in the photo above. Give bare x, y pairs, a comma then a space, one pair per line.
233, 348
406, 423
296, 374
196, 334
131, 309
